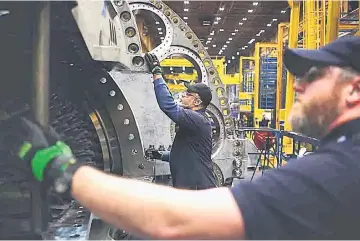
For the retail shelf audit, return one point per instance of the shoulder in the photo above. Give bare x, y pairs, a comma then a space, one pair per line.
195, 116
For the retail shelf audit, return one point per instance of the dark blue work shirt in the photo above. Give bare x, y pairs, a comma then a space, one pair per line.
190, 156
315, 197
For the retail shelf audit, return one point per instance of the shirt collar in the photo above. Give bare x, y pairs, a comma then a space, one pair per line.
343, 132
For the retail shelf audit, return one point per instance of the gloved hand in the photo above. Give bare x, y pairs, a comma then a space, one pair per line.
50, 160
153, 64
156, 155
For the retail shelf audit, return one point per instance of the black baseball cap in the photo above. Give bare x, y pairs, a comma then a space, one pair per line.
202, 90
343, 52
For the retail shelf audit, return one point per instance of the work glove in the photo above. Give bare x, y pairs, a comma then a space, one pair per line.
153, 64
156, 155
51, 160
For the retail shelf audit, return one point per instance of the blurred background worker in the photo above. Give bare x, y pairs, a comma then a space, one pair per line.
314, 197
190, 156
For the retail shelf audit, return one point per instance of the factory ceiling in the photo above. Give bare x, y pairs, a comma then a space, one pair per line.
230, 28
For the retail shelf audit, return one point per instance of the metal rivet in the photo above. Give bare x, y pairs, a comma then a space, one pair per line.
103, 80
120, 107
134, 152
112, 93
126, 122
141, 166
131, 137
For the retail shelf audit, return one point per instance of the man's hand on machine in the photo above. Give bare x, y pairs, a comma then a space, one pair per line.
153, 64
51, 160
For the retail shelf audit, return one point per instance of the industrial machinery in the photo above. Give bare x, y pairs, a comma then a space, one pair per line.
101, 102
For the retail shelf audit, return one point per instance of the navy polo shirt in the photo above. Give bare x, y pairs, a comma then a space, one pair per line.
190, 156
315, 197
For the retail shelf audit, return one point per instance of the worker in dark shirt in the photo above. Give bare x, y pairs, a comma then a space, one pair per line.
190, 156
314, 197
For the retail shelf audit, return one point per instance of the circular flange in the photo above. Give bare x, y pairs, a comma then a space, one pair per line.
160, 50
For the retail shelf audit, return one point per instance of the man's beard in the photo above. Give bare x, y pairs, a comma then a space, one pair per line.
313, 119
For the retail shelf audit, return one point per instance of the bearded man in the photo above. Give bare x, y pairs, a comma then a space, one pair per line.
314, 197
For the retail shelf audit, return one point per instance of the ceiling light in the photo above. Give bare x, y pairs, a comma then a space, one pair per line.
207, 42
250, 11
212, 33
185, 18
221, 30
162, 38
186, 10
283, 11
229, 61
258, 35
240, 23
227, 42
160, 32
214, 45
186, 23
157, 23
232, 57
244, 19
216, 22
237, 53
206, 23
242, 48
225, 46
209, 39
233, 34
206, 47
230, 39
251, 41
159, 29
255, 3
245, 46
218, 18
269, 25
274, 19
236, 30
186, 2
222, 8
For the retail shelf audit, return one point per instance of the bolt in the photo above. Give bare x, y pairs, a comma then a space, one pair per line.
141, 166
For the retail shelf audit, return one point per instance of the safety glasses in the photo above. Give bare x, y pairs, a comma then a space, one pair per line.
313, 74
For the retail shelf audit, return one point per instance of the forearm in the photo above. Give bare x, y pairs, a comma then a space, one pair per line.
157, 212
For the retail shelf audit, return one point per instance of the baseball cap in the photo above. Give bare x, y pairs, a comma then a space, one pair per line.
202, 90
343, 52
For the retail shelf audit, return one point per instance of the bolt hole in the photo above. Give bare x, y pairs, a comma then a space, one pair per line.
125, 16
103, 80
120, 107
77, 225
112, 93
74, 235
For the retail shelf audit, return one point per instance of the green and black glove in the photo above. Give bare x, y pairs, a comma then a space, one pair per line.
50, 159
153, 64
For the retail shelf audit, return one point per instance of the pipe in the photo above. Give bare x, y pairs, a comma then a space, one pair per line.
40, 107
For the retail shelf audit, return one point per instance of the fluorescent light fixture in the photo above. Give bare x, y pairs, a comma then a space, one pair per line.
221, 30
242, 48
157, 23
207, 42
251, 41
162, 38
233, 34
186, 10
212, 33
209, 39
245, 46
225, 46
230, 39
237, 53
159, 29
240, 23
222, 8
206, 47
283, 11
214, 45
232, 57
185, 18
269, 25
186, 2
186, 23
250, 10
229, 61
218, 18
227, 42
244, 19
160, 32
255, 3
236, 30
216, 22
274, 19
